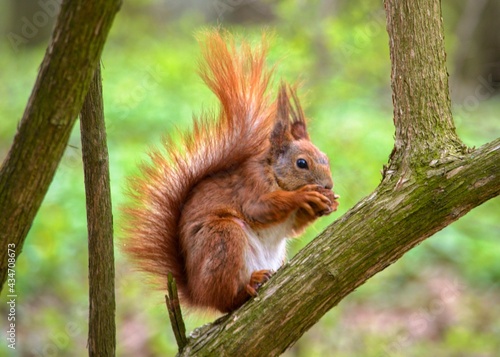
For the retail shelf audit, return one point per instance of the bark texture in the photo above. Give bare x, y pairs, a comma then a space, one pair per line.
43, 133
431, 180
102, 336
420, 94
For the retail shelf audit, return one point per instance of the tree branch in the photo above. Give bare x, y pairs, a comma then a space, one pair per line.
102, 329
431, 181
367, 239
42, 136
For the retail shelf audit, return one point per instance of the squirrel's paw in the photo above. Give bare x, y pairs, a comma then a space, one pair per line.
313, 201
257, 278
332, 196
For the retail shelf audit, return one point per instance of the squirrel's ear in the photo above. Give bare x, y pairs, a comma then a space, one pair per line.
281, 135
299, 126
299, 131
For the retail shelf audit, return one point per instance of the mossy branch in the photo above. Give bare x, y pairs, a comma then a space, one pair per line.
368, 238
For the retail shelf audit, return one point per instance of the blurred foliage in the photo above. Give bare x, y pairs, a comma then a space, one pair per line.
440, 299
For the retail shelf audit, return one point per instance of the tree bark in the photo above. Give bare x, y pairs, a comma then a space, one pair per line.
42, 136
431, 180
102, 329
420, 93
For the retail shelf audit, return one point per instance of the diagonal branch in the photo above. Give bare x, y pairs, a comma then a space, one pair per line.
368, 238
58, 94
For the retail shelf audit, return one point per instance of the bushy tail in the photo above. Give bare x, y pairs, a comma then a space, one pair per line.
239, 79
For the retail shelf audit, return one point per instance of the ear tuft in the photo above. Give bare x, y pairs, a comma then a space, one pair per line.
281, 136
299, 125
290, 120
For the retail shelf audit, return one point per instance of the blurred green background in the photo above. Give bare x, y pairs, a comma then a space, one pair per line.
441, 299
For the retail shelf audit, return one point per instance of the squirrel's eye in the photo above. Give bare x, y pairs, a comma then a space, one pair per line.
302, 164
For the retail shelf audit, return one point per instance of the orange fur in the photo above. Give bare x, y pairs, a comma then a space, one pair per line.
215, 211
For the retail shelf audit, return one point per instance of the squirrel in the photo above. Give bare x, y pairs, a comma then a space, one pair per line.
215, 211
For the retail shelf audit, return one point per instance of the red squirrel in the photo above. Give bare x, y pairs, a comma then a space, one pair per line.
216, 210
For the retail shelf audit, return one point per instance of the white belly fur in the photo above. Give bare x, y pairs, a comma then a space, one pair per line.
267, 247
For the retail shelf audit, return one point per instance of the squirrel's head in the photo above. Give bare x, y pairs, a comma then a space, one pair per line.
295, 160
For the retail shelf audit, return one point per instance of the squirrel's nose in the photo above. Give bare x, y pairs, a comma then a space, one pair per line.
327, 183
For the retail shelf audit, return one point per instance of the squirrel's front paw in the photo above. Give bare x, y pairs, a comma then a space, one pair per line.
333, 201
313, 200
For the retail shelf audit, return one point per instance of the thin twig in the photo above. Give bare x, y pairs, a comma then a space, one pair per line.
175, 313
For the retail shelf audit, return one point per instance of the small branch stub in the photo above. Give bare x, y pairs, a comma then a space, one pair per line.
175, 313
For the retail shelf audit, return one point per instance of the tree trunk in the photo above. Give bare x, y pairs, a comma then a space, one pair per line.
42, 136
102, 336
431, 180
